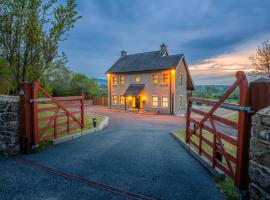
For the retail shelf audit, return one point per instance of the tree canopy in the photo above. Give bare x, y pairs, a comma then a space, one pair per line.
30, 32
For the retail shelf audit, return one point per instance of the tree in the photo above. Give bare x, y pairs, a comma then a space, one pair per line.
261, 61
30, 32
80, 83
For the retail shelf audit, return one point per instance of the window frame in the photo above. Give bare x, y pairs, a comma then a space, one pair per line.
181, 79
114, 95
181, 102
122, 82
122, 96
155, 74
157, 101
114, 78
165, 74
162, 101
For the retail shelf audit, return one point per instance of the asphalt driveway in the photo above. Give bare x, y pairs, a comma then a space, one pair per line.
135, 154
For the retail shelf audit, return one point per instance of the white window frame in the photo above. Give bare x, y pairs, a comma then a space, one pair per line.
116, 80
181, 79
152, 102
168, 79
116, 99
167, 102
155, 74
120, 99
120, 80
181, 98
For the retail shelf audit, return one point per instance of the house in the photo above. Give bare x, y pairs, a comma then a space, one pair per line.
151, 81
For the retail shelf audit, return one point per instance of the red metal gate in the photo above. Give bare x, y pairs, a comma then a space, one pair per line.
204, 134
46, 117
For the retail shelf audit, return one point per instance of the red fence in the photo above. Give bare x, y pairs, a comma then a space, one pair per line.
46, 117
206, 132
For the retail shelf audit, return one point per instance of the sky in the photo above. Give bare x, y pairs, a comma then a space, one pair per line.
216, 36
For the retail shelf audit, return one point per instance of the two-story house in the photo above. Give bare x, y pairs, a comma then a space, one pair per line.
152, 81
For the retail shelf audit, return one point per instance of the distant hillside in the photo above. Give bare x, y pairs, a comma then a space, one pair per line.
102, 81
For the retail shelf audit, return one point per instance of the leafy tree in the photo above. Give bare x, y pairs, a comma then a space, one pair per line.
80, 83
5, 80
30, 32
261, 61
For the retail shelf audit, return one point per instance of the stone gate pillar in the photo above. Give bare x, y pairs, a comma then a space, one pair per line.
259, 164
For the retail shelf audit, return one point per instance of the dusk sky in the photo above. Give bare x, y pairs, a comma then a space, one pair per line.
216, 36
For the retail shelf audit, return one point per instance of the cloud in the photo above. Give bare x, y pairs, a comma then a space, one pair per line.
202, 30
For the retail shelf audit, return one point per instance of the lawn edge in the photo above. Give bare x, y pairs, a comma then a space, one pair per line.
218, 174
103, 124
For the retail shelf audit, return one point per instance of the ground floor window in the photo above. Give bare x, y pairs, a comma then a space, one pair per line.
115, 99
180, 100
122, 100
155, 101
165, 102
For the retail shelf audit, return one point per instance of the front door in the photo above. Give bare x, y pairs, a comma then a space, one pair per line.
134, 102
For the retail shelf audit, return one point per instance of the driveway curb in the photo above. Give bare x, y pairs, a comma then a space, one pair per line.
217, 173
103, 124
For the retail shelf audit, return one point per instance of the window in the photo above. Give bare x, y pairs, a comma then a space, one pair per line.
115, 99
138, 79
114, 80
165, 79
155, 101
122, 100
164, 102
122, 80
181, 79
155, 78
180, 100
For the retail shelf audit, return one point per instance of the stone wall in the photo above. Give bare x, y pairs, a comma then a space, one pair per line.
9, 124
259, 164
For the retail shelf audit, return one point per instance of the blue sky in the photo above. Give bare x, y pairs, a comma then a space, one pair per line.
216, 36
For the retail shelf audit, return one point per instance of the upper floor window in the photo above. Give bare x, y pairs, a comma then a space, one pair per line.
180, 100
114, 80
155, 78
115, 99
165, 79
138, 79
122, 80
155, 101
181, 79
164, 102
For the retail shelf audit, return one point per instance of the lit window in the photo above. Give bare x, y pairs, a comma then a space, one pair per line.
164, 102
165, 79
115, 99
122, 80
122, 100
114, 80
138, 79
155, 78
155, 101
181, 79
180, 100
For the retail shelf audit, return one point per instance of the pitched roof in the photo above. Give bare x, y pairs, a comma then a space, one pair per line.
134, 89
148, 61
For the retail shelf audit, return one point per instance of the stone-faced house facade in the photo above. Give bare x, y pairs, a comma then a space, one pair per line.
151, 81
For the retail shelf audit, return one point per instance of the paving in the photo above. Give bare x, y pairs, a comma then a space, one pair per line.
135, 153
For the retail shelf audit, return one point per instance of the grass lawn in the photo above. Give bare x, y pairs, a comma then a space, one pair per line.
88, 123
227, 185
233, 116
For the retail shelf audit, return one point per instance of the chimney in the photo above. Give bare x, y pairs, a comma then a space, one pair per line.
123, 53
163, 48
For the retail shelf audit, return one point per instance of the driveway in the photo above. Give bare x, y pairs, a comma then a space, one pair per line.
134, 154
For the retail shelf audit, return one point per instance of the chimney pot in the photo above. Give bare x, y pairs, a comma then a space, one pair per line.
163, 48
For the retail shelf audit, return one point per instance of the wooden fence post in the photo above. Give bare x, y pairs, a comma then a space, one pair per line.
35, 88
189, 104
26, 118
243, 135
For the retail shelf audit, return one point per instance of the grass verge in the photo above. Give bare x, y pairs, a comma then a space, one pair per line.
227, 185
